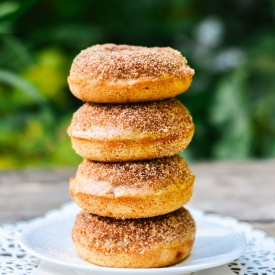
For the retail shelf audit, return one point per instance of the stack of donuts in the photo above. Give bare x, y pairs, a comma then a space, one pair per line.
131, 184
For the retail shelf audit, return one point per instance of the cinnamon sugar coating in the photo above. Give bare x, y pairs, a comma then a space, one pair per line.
148, 174
110, 61
126, 132
161, 118
110, 235
138, 189
129, 132
121, 74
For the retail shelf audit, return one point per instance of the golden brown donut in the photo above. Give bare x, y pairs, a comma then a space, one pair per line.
132, 189
112, 73
127, 132
134, 243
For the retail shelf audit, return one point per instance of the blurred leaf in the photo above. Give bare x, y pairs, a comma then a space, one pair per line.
13, 49
63, 151
265, 111
24, 132
262, 53
22, 8
49, 75
51, 58
70, 35
5, 28
8, 162
8, 7
20, 83
230, 115
264, 130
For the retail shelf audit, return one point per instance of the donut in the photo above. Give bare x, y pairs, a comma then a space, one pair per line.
134, 243
128, 132
112, 73
132, 189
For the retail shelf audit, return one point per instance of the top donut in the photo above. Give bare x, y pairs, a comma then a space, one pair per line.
112, 73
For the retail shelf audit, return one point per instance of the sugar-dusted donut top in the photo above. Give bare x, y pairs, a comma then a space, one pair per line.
111, 235
110, 61
159, 118
147, 174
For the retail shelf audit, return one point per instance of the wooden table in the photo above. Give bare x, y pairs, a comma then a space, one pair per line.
244, 190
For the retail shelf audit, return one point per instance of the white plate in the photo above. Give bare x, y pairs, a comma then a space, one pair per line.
50, 239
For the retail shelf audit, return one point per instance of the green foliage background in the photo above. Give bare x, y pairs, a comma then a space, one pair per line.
231, 45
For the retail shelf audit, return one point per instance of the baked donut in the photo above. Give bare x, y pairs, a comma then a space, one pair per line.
128, 132
134, 243
132, 189
112, 73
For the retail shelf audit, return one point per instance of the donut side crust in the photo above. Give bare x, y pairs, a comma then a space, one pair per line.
127, 91
131, 149
112, 73
154, 258
135, 206
132, 243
